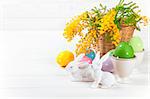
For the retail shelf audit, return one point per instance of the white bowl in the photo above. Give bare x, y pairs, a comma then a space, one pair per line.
141, 66
139, 58
123, 67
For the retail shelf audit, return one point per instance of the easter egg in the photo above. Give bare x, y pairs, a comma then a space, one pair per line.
86, 59
107, 65
90, 55
64, 58
136, 43
124, 50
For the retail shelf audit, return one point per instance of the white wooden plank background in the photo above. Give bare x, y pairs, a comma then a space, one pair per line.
47, 14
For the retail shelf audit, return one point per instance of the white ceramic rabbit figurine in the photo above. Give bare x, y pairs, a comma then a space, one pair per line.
102, 79
80, 71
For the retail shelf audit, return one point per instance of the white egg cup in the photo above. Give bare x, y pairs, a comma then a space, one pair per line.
139, 59
123, 67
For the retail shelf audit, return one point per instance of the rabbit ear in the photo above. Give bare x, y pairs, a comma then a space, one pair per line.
69, 64
103, 58
97, 58
78, 58
95, 62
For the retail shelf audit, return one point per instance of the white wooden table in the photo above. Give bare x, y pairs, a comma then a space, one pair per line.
58, 84
28, 69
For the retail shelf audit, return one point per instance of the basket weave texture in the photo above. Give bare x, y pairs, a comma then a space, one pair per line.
104, 45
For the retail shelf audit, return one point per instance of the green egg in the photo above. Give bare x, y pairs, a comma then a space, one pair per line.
137, 44
124, 50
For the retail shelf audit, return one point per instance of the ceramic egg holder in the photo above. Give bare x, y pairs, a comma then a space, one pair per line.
123, 68
124, 60
139, 59
137, 44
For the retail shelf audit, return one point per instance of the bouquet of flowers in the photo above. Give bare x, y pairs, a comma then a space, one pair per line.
103, 29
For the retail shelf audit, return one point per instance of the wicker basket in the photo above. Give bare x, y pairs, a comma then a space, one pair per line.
126, 32
104, 45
